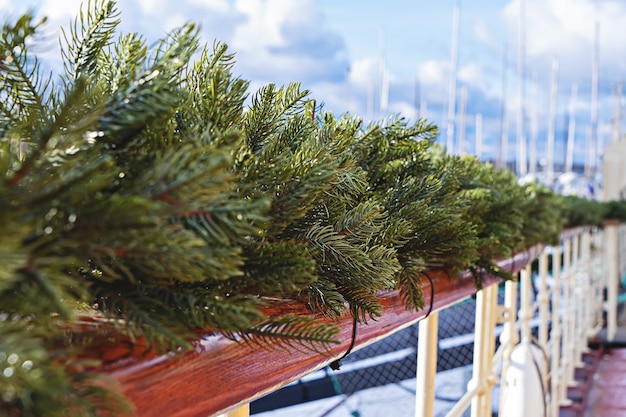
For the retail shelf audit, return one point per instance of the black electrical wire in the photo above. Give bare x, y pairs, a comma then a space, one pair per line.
336, 364
432, 293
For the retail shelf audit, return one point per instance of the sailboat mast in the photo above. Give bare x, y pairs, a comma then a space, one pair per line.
571, 130
617, 112
462, 111
534, 124
552, 120
593, 137
384, 82
417, 103
479, 135
503, 151
453, 76
520, 136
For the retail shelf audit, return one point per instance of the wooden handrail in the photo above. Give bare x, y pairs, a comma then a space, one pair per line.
219, 374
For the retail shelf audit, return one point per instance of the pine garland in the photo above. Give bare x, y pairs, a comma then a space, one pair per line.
139, 186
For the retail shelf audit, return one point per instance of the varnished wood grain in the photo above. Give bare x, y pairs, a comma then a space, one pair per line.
219, 374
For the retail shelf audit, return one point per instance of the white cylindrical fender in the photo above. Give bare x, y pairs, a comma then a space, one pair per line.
523, 394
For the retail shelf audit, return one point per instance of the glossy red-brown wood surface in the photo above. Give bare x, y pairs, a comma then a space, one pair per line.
219, 374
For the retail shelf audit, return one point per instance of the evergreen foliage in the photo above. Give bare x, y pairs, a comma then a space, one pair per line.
141, 187
580, 211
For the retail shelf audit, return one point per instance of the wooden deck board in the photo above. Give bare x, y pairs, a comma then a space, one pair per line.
607, 397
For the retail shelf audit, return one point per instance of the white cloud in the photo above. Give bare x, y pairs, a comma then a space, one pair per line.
483, 34
283, 40
434, 79
473, 75
274, 40
434, 73
566, 28
58, 12
403, 108
363, 71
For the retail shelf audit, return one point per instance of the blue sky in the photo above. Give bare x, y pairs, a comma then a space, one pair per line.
343, 50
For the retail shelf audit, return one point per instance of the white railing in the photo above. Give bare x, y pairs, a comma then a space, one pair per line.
535, 372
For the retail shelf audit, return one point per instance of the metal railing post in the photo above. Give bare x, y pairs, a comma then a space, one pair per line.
427, 344
243, 411
577, 306
611, 261
482, 377
556, 334
587, 291
525, 310
569, 321
510, 335
599, 274
621, 250
543, 300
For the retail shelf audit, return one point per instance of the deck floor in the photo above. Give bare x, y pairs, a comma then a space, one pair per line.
607, 397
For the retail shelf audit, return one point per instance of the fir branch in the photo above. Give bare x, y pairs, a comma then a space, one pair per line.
90, 33
121, 67
140, 319
153, 94
164, 255
216, 97
50, 135
324, 297
362, 223
24, 90
270, 107
171, 316
92, 394
334, 247
543, 215
188, 171
47, 281
195, 185
32, 384
13, 254
147, 188
364, 304
278, 268
410, 285
301, 333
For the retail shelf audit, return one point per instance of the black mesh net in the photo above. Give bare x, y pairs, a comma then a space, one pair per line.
389, 361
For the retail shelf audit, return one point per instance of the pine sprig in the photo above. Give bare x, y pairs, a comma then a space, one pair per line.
278, 268
410, 284
90, 34
24, 89
35, 382
146, 189
216, 97
310, 333
153, 95
270, 108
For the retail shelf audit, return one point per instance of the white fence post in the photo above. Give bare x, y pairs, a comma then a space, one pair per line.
242, 411
621, 250
587, 285
611, 261
482, 377
510, 335
577, 290
426, 366
569, 311
543, 300
556, 334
